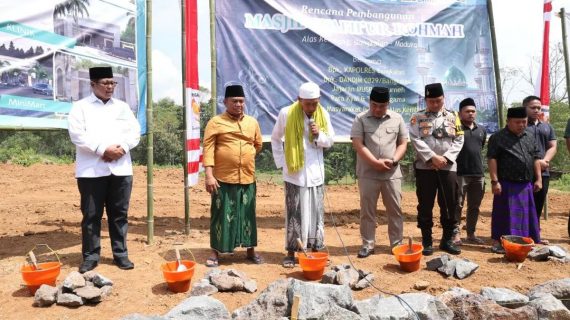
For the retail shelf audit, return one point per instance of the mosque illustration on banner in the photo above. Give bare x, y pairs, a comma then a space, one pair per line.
455, 83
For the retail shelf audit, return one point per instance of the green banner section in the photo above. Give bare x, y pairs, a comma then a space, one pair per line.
22, 30
11, 122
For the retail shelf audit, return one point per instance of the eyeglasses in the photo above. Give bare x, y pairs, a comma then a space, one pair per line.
108, 83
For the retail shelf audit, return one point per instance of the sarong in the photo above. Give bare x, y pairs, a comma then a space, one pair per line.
304, 219
232, 222
514, 212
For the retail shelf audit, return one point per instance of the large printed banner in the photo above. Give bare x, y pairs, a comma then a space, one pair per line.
347, 47
47, 48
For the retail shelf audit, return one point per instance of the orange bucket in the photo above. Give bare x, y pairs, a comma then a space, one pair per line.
409, 262
516, 247
314, 265
46, 273
178, 281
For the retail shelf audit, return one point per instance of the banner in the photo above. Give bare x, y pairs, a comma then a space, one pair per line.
347, 47
544, 72
193, 96
47, 48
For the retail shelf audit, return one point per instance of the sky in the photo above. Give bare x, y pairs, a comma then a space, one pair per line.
519, 38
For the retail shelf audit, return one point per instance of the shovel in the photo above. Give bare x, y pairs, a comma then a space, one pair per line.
34, 261
302, 245
409, 250
179, 266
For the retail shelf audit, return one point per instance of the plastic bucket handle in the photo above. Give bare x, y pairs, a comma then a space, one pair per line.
50, 249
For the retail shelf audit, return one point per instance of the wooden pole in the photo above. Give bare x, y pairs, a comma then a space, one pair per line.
213, 55
184, 112
496, 65
566, 57
149, 126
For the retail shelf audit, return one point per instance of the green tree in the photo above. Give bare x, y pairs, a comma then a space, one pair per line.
74, 8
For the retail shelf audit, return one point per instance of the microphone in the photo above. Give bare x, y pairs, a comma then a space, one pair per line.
311, 121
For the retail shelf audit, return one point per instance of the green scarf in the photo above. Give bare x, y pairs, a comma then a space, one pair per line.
294, 128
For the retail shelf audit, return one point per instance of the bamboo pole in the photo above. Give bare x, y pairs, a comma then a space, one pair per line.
213, 55
565, 47
149, 126
185, 134
496, 65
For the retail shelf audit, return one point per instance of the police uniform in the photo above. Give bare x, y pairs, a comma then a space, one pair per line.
436, 133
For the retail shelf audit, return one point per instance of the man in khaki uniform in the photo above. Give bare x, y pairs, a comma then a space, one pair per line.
379, 137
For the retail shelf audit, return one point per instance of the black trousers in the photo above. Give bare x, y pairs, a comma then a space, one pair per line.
444, 184
540, 197
113, 194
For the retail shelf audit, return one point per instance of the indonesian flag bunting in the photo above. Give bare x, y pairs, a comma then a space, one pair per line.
193, 96
543, 91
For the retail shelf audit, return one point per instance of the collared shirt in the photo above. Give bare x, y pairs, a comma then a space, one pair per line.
380, 136
313, 172
93, 127
515, 155
542, 133
436, 133
470, 159
230, 147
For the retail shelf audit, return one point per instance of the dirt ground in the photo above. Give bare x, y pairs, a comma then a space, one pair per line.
40, 204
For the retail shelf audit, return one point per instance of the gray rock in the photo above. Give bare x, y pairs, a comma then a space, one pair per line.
559, 260
213, 272
89, 275
426, 306
89, 284
73, 281
137, 316
329, 277
421, 285
364, 282
203, 288
338, 313
89, 294
539, 254
560, 289
437, 262
475, 306
250, 286
272, 303
448, 269
239, 274
340, 267
557, 251
45, 296
199, 308
317, 299
464, 268
106, 292
505, 297
225, 282
347, 277
548, 307
69, 300
453, 293
101, 281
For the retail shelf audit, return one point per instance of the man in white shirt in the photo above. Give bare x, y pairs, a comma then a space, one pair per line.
103, 130
306, 129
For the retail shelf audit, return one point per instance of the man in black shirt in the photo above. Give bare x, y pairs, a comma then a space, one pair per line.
513, 163
545, 138
470, 176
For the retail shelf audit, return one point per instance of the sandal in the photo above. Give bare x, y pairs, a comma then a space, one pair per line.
212, 262
289, 262
257, 259
475, 240
498, 248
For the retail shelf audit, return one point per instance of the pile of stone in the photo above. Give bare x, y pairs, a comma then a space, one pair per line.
549, 253
76, 290
334, 302
444, 264
344, 274
230, 280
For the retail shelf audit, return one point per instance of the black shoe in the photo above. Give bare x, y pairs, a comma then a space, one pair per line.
123, 263
365, 252
87, 265
428, 250
449, 247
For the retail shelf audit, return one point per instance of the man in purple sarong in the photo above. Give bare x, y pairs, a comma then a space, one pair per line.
513, 162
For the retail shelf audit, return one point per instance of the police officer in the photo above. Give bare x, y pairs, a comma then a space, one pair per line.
437, 138
380, 138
